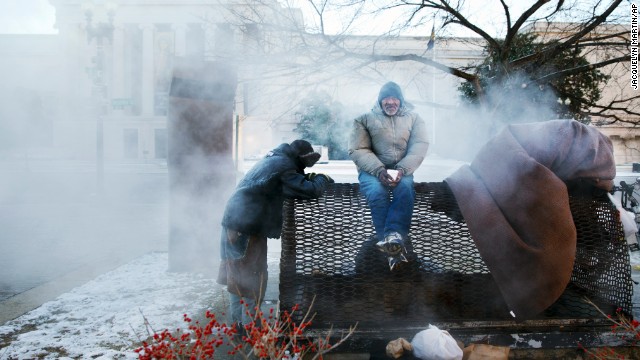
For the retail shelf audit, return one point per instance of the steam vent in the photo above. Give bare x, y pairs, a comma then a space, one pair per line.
328, 257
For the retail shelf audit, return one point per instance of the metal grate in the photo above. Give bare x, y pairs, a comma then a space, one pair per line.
328, 256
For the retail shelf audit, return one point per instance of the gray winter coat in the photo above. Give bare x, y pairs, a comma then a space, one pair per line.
379, 141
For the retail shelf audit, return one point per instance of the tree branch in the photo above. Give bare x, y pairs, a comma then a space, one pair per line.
559, 47
459, 19
580, 69
524, 17
417, 58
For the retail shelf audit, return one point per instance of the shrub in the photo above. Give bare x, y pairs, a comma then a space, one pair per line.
272, 336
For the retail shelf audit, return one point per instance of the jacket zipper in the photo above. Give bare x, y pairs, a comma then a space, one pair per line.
393, 143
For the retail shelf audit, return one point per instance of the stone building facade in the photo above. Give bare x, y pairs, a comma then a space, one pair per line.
100, 87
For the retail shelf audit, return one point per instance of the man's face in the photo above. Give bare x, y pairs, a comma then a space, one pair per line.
390, 105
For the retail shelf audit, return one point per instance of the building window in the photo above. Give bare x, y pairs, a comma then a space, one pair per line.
160, 143
130, 141
253, 39
195, 42
223, 39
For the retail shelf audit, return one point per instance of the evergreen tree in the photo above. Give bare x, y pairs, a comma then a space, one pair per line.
567, 96
322, 122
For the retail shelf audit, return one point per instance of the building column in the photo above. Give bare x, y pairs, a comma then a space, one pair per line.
148, 65
117, 85
74, 43
180, 42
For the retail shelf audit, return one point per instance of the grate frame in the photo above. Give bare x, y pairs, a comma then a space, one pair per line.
329, 263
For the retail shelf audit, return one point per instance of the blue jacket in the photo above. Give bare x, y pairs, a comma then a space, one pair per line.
256, 205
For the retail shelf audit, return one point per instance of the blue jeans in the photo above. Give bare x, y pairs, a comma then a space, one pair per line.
389, 215
239, 311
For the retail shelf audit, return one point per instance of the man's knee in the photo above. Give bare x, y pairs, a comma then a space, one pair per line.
373, 191
376, 195
378, 201
405, 185
405, 191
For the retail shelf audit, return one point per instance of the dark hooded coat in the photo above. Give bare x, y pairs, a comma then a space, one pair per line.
254, 213
256, 205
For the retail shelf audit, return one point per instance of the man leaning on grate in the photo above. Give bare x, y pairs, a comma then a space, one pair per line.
254, 213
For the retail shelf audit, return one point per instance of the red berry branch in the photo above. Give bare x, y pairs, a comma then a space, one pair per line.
272, 336
627, 328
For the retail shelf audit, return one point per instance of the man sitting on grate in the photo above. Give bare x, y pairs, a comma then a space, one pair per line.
254, 213
387, 145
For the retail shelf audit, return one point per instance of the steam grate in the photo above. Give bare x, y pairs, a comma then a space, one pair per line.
329, 257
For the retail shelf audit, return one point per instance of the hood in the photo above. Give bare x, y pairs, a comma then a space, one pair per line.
287, 151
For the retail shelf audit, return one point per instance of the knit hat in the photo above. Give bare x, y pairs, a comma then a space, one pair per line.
305, 152
391, 89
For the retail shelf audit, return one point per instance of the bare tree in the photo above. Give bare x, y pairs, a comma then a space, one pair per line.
316, 53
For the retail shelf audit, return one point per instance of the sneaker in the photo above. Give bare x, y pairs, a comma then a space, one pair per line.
396, 261
392, 244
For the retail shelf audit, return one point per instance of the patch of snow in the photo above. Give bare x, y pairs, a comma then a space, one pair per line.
535, 344
105, 318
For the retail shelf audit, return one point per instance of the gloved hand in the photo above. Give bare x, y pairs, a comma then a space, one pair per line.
312, 176
385, 178
329, 179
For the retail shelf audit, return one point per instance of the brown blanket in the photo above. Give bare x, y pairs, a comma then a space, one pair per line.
514, 199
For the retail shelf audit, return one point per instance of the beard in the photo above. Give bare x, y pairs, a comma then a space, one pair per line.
390, 109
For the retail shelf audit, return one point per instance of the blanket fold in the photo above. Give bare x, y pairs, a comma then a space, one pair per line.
514, 199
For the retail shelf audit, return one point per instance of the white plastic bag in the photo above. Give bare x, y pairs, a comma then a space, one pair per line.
435, 344
627, 218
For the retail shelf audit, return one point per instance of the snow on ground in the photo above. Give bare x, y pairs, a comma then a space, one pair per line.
105, 318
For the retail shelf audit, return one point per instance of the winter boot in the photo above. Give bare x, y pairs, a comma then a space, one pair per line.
396, 261
393, 246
